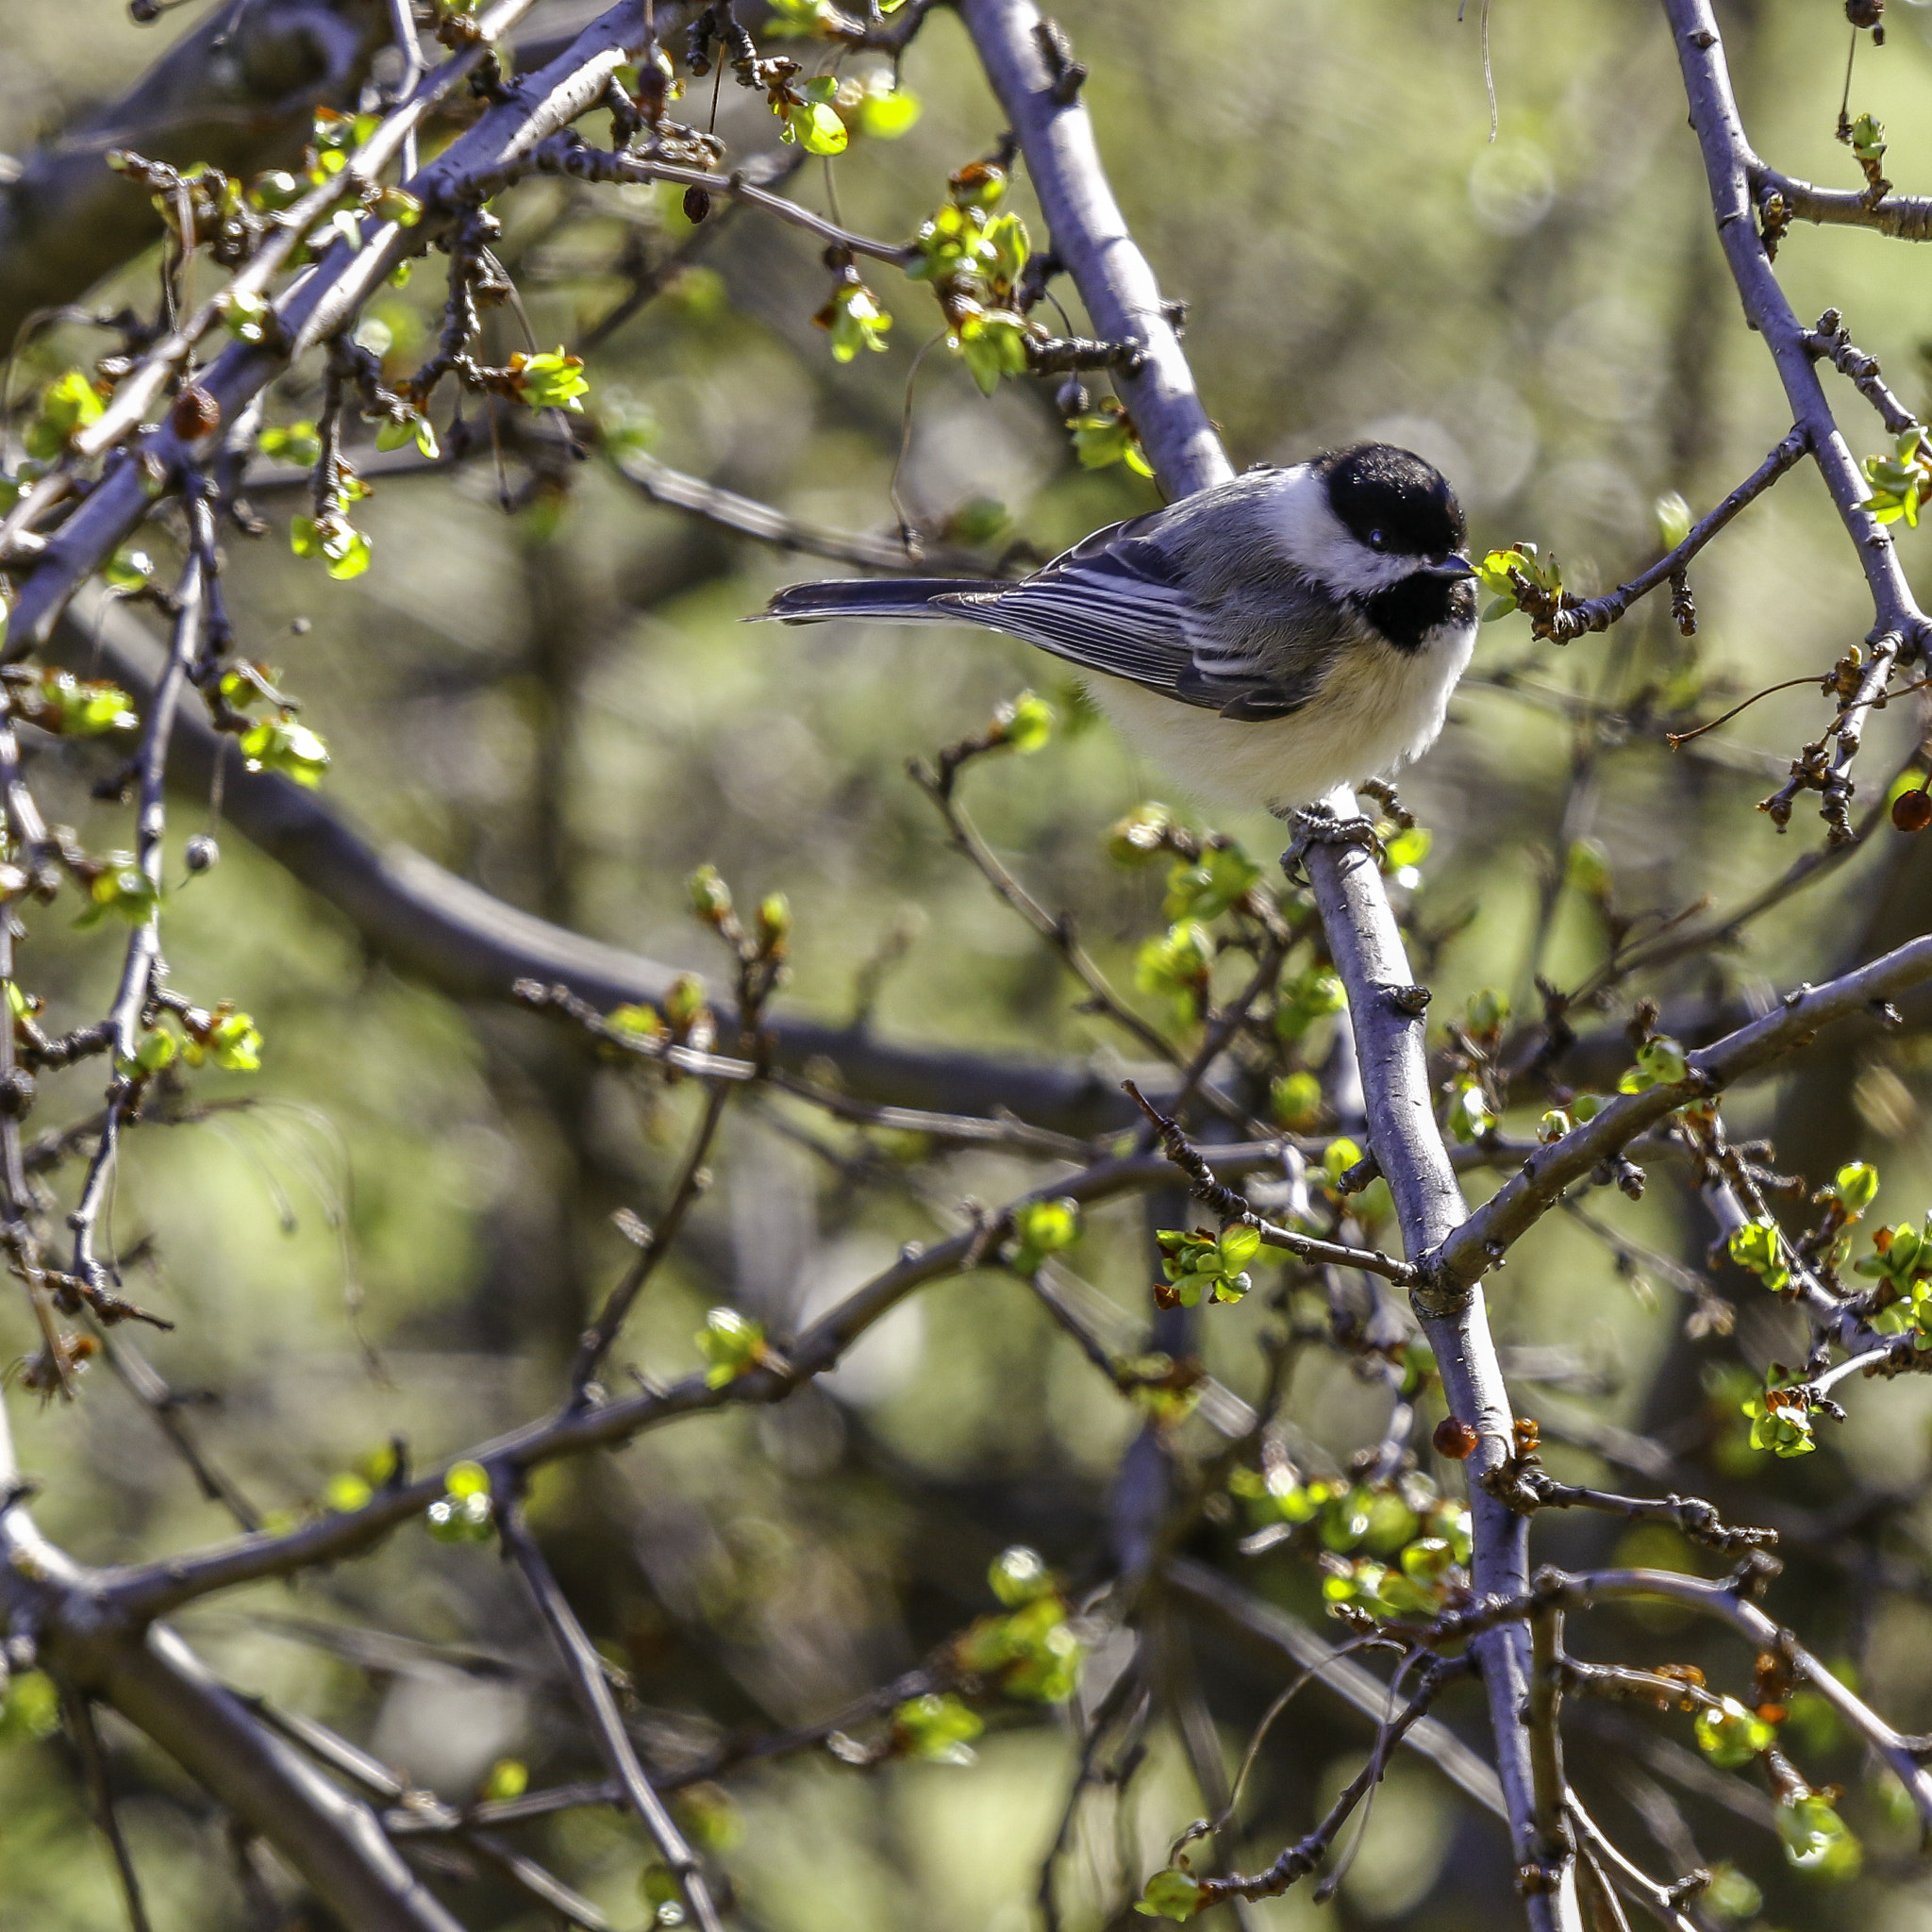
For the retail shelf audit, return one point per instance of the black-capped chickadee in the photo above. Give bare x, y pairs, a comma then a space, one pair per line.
1266, 640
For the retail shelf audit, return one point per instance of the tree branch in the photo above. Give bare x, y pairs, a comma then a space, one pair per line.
427, 922
1599, 613
1091, 236
1728, 165
154, 1681
315, 307
1298, 1859
1906, 217
1729, 1600
1124, 299
152, 1589
237, 90
1366, 948
1233, 1207
1470, 1250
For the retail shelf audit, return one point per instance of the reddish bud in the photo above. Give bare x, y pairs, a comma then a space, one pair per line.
1455, 1439
195, 415
1911, 812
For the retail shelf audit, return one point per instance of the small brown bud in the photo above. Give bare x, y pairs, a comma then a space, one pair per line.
1911, 812
195, 415
697, 203
1864, 12
1455, 1438
17, 1091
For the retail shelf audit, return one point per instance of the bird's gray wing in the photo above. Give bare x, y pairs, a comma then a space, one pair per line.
1120, 603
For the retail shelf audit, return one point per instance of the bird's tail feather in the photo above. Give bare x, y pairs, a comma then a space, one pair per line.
884, 600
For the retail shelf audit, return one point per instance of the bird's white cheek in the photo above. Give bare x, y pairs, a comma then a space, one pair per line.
1314, 539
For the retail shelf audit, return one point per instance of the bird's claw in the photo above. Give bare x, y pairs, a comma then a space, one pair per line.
1315, 824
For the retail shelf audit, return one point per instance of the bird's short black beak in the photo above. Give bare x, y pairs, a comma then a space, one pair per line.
1452, 569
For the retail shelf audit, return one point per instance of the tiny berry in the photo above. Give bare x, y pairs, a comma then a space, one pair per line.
196, 414
202, 853
697, 203
1455, 1438
1911, 812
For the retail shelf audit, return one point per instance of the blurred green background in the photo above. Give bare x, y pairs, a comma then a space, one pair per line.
402, 1232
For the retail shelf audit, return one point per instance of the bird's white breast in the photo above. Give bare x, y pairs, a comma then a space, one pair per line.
1380, 708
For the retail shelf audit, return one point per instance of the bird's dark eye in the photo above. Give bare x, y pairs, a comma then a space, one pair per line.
1376, 541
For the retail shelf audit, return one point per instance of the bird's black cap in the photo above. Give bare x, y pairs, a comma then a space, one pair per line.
1392, 500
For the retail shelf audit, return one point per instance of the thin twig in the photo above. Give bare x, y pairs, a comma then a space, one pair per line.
1832, 341
1599, 613
1058, 931
1540, 1718
165, 1405
1298, 1859
600, 1707
1691, 1515
94, 1757
654, 1245
568, 154
1469, 1251
1663, 1902
141, 964
1234, 1207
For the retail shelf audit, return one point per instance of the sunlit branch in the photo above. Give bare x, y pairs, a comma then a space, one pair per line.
318, 305
1899, 627
1906, 217
1469, 1251
1831, 341
1731, 1601
1367, 947
1599, 613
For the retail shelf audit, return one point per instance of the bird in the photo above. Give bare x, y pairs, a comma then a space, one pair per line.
1263, 640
